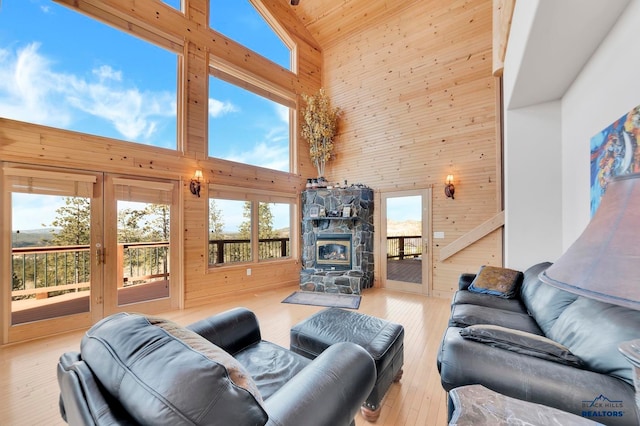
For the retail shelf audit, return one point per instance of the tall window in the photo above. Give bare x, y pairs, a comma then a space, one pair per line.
50, 261
247, 128
144, 239
243, 126
241, 225
69, 71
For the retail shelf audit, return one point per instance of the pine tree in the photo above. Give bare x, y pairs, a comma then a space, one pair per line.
265, 228
216, 221
216, 231
129, 230
73, 227
73, 222
157, 222
156, 228
244, 230
265, 222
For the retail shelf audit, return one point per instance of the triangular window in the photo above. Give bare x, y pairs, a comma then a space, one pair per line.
240, 21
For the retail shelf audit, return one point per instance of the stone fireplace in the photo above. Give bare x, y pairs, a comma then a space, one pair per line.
337, 240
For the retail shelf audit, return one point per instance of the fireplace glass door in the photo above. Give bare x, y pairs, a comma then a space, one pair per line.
333, 252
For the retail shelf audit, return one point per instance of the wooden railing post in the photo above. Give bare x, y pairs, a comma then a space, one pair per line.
220, 251
120, 266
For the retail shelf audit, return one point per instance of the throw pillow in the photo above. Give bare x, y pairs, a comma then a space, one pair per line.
501, 282
521, 342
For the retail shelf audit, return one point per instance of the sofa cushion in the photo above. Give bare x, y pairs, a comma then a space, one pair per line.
270, 366
466, 315
545, 303
467, 297
501, 282
166, 375
521, 342
238, 375
592, 330
531, 281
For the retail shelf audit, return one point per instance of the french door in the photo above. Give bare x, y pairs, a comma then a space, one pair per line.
82, 246
404, 240
141, 264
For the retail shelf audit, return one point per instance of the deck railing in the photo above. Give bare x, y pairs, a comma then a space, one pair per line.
239, 250
53, 270
405, 246
143, 262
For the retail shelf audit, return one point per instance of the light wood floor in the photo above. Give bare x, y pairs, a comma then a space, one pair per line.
29, 388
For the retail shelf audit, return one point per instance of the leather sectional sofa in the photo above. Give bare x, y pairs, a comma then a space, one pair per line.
133, 369
543, 345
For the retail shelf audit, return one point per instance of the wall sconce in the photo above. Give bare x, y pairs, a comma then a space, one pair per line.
449, 189
194, 186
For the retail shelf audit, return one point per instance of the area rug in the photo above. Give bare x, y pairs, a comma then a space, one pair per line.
334, 300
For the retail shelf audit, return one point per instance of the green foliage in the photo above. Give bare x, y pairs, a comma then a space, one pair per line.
73, 222
32, 238
216, 222
265, 222
157, 224
16, 283
129, 225
244, 230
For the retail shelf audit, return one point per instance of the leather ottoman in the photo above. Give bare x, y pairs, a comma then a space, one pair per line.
383, 340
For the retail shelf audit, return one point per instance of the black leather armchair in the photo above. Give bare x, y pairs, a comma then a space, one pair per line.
135, 370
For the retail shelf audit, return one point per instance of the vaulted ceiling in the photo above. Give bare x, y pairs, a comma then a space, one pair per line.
328, 20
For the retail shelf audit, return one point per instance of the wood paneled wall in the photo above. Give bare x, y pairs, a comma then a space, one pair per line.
415, 81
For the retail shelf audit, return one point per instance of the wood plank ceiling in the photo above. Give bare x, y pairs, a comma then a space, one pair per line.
330, 20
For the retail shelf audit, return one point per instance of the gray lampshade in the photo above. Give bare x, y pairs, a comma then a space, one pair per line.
604, 262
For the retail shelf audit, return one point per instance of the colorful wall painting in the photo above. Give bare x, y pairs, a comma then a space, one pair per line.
614, 152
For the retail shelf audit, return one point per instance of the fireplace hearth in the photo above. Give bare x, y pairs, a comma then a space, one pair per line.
337, 251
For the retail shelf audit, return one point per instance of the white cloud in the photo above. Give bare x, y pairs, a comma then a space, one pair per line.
272, 149
283, 113
30, 90
218, 108
27, 88
263, 154
105, 72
